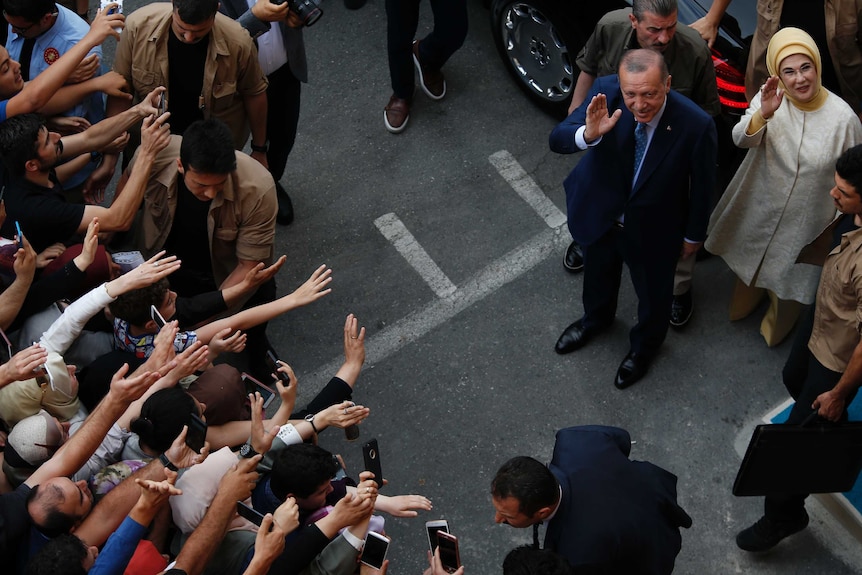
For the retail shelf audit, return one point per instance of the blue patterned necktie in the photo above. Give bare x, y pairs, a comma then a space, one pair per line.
640, 144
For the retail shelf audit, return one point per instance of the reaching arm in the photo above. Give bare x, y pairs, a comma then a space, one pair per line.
42, 88
69, 96
155, 136
254, 277
310, 291
13, 297
707, 26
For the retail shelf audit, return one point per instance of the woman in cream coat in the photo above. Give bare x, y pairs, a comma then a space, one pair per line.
779, 201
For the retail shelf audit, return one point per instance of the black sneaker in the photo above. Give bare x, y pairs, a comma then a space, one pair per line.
766, 533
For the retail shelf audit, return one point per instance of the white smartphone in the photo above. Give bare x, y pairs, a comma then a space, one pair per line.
118, 9
375, 550
432, 527
157, 317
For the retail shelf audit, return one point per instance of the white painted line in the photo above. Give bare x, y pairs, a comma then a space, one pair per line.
530, 192
394, 230
416, 325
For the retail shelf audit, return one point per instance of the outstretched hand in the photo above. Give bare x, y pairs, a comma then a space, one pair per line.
598, 121
771, 97
315, 287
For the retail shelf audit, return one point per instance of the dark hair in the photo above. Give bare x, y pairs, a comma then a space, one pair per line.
849, 167
162, 418
207, 147
62, 555
54, 522
526, 560
528, 481
642, 60
19, 141
195, 11
301, 469
30, 10
134, 306
663, 8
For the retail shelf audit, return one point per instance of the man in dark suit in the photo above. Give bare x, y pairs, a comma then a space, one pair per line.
640, 196
278, 35
604, 513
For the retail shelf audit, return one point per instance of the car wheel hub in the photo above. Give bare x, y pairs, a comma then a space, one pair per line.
537, 52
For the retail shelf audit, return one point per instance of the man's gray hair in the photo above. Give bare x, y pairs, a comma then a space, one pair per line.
663, 8
642, 60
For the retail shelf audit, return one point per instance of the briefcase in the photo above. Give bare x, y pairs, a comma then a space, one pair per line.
785, 459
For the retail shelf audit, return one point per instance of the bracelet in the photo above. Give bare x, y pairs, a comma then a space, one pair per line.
262, 149
310, 419
167, 463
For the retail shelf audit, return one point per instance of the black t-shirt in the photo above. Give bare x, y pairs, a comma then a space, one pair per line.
185, 81
189, 241
43, 213
15, 526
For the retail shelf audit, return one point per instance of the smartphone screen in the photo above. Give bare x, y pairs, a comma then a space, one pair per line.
432, 527
252, 385
247, 512
157, 317
450, 558
272, 364
371, 455
374, 552
197, 433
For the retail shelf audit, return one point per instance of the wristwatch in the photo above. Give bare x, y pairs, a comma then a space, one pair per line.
310, 419
247, 451
167, 463
262, 149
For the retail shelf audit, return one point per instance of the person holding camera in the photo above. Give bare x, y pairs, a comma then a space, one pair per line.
276, 27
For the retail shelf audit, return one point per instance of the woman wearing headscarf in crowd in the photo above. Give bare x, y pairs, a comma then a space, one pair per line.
779, 201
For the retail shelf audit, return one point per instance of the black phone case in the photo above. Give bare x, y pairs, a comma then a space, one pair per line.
371, 455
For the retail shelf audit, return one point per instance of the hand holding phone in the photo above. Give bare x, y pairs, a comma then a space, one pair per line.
196, 435
250, 514
20, 235
252, 385
272, 362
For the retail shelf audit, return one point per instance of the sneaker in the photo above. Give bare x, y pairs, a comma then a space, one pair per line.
680, 309
766, 533
432, 81
395, 114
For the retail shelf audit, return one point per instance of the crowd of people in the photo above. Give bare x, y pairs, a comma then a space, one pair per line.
135, 424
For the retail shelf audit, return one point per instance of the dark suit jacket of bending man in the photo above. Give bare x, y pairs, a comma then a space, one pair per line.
668, 203
616, 516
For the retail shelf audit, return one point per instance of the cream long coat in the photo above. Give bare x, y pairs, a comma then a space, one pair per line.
779, 201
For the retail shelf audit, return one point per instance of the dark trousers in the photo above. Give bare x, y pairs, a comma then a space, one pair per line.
402, 20
805, 378
652, 280
282, 118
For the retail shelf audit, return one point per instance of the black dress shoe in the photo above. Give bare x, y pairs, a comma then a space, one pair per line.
680, 309
574, 260
633, 367
285, 207
574, 337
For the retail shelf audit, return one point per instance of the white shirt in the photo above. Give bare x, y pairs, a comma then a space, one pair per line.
270, 47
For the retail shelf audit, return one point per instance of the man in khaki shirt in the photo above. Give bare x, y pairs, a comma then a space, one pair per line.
824, 369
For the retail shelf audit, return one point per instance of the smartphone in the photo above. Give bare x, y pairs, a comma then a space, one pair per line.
272, 364
374, 552
118, 8
450, 558
157, 317
197, 433
20, 235
247, 512
162, 105
43, 376
371, 455
432, 527
252, 385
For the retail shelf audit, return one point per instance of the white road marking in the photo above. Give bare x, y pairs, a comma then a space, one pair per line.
500, 272
394, 230
530, 192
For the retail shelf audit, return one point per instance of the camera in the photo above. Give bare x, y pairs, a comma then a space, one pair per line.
308, 11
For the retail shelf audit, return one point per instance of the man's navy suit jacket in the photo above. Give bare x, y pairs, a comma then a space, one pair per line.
671, 198
616, 515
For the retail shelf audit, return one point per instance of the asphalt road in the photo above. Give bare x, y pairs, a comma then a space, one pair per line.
461, 373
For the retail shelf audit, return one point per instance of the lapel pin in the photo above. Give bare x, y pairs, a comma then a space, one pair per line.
668, 128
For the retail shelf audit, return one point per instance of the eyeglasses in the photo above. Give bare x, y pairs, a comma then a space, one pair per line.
22, 29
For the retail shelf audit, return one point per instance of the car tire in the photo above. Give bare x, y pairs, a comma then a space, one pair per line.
533, 42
